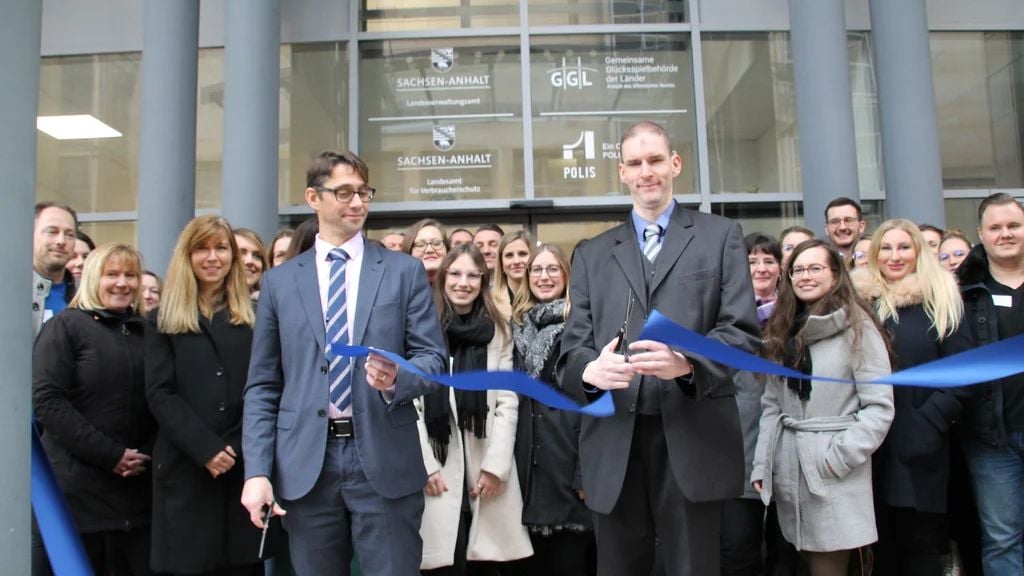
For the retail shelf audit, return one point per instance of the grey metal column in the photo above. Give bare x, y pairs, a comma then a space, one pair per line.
251, 71
20, 26
824, 106
906, 100
167, 137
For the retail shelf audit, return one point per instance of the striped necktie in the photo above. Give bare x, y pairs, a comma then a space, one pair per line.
340, 369
652, 241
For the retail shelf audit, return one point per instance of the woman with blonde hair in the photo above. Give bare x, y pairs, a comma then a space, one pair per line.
813, 455
919, 304
252, 254
514, 250
88, 391
954, 249
473, 504
547, 439
197, 360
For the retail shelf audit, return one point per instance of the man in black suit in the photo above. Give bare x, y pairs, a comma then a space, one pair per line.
673, 451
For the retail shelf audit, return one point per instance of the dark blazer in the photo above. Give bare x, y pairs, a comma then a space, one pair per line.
983, 418
287, 392
701, 281
88, 391
194, 383
912, 465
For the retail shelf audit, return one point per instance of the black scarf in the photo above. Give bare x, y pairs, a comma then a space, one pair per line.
540, 332
468, 336
801, 363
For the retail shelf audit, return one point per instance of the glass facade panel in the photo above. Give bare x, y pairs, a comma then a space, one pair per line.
750, 99
962, 214
442, 120
396, 15
750, 103
979, 98
587, 90
568, 234
90, 174
574, 12
313, 116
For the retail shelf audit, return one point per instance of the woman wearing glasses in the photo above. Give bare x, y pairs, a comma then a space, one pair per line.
473, 501
427, 242
813, 455
547, 439
920, 306
954, 250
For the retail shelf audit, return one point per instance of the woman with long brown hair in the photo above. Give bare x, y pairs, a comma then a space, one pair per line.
814, 448
473, 503
197, 359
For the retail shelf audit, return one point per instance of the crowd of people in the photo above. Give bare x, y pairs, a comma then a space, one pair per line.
202, 423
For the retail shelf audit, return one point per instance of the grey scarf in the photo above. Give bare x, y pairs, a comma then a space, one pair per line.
536, 337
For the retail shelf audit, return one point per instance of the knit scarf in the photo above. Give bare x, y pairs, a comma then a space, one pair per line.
468, 336
540, 332
801, 363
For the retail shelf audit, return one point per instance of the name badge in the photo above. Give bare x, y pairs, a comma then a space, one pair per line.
1003, 300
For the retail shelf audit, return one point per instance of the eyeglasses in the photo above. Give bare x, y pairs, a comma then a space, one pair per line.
471, 277
552, 270
860, 255
344, 193
849, 220
436, 244
814, 270
943, 256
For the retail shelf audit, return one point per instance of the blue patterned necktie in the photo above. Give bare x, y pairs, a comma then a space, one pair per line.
340, 371
652, 241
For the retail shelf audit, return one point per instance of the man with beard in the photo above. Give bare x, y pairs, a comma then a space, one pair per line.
843, 224
52, 244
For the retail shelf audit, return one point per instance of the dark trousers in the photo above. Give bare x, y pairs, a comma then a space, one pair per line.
343, 514
651, 503
742, 534
561, 553
117, 552
909, 542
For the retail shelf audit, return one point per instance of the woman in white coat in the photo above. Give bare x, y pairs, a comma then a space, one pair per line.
813, 454
473, 502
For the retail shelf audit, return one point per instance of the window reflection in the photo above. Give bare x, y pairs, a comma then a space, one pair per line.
91, 175
750, 103
395, 15
979, 98
560, 12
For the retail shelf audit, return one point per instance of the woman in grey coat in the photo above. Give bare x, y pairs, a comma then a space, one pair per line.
816, 438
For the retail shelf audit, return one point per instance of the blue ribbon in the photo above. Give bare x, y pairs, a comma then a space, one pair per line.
990, 362
478, 381
63, 547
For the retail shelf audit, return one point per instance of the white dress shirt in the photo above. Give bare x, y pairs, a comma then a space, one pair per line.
354, 248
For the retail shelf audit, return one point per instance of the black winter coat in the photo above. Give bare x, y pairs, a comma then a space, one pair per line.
88, 390
912, 466
547, 457
983, 413
194, 385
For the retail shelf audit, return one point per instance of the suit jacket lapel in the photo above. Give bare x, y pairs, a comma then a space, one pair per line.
677, 238
309, 293
627, 254
369, 284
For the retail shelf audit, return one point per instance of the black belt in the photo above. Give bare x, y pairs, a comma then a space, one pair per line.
340, 428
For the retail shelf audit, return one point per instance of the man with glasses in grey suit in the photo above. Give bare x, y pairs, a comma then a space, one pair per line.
330, 443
